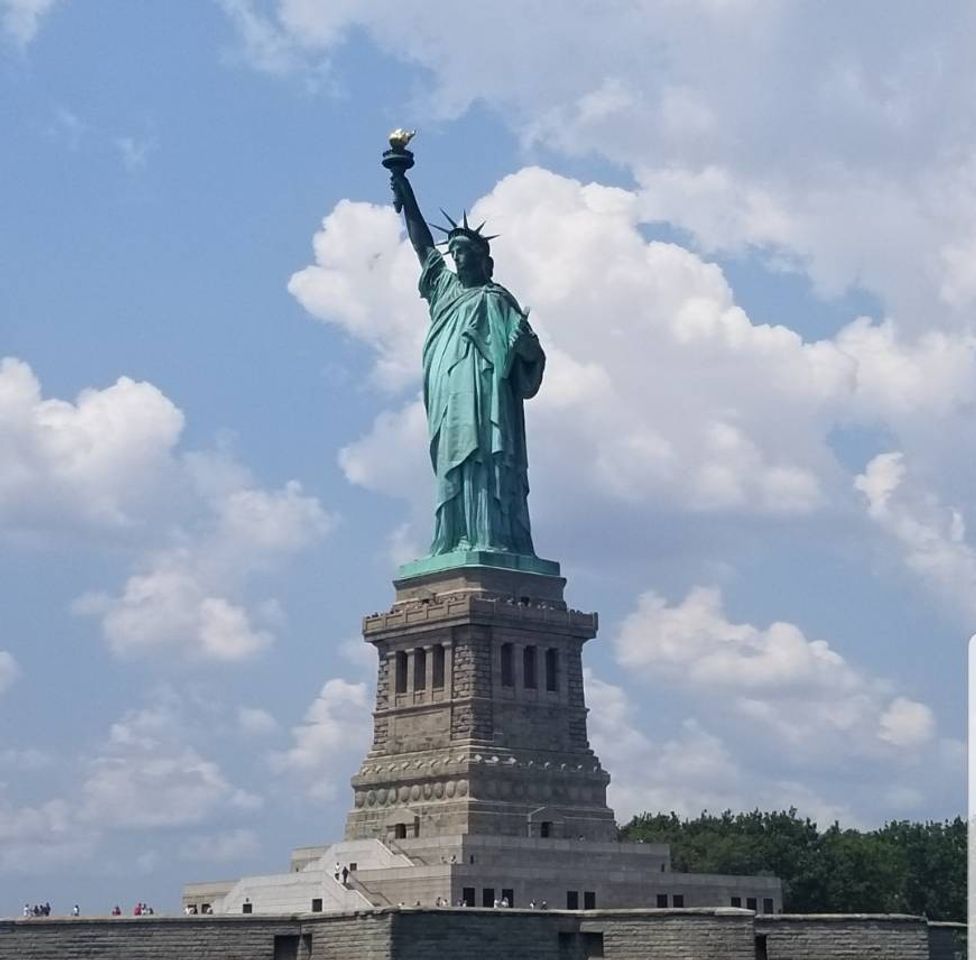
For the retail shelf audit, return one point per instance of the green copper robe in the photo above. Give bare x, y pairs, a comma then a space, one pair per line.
481, 361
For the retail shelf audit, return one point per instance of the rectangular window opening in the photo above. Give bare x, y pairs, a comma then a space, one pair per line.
678, 900
528, 668
437, 681
545, 828
247, 907
662, 900
736, 901
750, 903
316, 905
401, 672
589, 900
552, 669
572, 899
488, 897
761, 951
592, 943
508, 666
420, 669
509, 895
467, 895
286, 947
767, 905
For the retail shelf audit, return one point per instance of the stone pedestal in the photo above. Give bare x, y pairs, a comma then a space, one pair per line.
480, 720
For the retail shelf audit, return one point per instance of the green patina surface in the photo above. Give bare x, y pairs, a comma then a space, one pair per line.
481, 361
477, 558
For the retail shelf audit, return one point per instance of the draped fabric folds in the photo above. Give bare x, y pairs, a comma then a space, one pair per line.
481, 361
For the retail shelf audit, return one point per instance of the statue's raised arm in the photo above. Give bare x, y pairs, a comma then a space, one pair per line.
398, 160
417, 230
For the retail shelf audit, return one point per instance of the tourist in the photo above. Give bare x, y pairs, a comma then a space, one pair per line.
116, 911
27, 910
505, 902
338, 871
345, 875
532, 904
76, 911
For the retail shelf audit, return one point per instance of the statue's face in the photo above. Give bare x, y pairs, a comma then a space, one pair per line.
470, 262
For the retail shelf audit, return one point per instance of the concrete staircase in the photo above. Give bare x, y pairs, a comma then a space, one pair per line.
295, 892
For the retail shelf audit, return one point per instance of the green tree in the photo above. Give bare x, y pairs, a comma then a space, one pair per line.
903, 867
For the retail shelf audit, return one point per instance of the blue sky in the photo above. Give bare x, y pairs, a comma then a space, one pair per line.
745, 229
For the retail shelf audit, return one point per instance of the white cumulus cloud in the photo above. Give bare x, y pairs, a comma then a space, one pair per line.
669, 395
221, 847
21, 19
688, 769
799, 690
256, 721
94, 462
183, 602
930, 536
332, 737
808, 134
146, 775
9, 671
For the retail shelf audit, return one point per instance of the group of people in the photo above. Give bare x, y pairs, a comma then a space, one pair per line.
501, 904
341, 873
44, 910
37, 910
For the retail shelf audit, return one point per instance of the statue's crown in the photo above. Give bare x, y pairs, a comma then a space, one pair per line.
456, 231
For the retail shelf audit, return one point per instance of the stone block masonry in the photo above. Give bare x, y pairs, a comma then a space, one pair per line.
364, 936
480, 719
475, 934
844, 937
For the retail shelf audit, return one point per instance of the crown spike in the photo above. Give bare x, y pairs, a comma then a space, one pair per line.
437, 226
465, 218
449, 219
478, 230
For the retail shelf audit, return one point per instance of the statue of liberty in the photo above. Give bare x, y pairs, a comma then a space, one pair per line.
481, 360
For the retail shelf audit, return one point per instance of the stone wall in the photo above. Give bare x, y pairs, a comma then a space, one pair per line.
474, 934
844, 937
347, 937
723, 934
478, 935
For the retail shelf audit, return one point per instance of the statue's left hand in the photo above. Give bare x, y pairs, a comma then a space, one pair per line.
525, 342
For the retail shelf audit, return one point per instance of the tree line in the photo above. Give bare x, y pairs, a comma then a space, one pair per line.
902, 867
